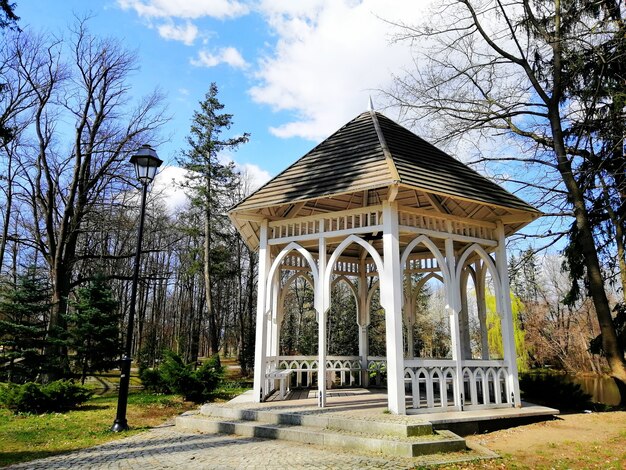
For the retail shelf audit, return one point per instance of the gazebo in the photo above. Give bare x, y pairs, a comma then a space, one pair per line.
377, 207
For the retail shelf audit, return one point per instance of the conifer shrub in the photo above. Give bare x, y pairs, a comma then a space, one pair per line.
57, 396
174, 376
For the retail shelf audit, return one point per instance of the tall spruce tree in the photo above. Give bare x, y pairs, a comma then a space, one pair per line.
208, 179
93, 328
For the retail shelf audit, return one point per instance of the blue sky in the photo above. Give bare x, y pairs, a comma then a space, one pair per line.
291, 72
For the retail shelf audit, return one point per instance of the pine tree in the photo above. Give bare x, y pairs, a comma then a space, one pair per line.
93, 328
24, 308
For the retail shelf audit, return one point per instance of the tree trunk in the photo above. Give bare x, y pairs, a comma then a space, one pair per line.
213, 333
7, 209
611, 346
57, 364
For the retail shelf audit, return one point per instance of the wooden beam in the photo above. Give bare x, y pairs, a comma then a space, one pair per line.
517, 218
293, 212
434, 200
392, 192
248, 217
253, 233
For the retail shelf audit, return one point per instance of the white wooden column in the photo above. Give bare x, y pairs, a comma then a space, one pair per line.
508, 335
261, 318
391, 300
272, 349
363, 321
454, 306
464, 330
323, 292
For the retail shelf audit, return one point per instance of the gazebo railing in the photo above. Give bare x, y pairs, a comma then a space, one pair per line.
486, 384
478, 230
341, 370
430, 384
358, 220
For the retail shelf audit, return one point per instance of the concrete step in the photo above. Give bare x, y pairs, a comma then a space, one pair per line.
346, 437
392, 426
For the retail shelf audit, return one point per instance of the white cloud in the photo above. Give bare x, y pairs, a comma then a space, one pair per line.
186, 33
254, 175
329, 57
226, 55
167, 186
167, 183
188, 9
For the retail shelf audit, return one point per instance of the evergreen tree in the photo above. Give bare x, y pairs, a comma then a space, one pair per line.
209, 179
93, 328
24, 308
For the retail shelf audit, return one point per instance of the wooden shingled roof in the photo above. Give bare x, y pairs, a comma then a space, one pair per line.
372, 151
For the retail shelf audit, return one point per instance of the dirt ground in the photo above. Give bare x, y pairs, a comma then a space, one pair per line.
585, 440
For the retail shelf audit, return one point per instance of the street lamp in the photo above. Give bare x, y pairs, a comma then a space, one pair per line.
146, 164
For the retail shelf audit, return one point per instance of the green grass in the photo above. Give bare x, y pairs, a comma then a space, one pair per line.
28, 437
229, 390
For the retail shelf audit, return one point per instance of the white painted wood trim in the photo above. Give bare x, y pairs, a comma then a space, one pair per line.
454, 306
391, 301
445, 235
510, 355
261, 335
330, 234
328, 215
444, 216
322, 299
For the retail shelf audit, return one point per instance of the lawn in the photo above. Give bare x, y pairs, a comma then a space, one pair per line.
28, 437
573, 441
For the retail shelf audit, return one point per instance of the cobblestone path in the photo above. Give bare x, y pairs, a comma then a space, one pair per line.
165, 448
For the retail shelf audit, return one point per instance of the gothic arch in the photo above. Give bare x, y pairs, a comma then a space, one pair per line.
279, 259
428, 243
339, 250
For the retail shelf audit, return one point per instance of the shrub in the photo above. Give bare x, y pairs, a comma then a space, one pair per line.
65, 395
554, 390
61, 395
151, 380
174, 376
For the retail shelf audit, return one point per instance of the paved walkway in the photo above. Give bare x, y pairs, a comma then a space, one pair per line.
166, 448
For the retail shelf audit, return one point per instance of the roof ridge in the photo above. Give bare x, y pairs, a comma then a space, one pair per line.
395, 176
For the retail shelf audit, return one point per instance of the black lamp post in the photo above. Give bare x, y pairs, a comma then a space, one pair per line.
146, 164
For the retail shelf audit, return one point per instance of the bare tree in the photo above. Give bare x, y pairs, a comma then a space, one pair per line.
83, 129
511, 68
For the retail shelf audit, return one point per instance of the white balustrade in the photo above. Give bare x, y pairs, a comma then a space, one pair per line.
341, 370
303, 228
442, 223
431, 384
